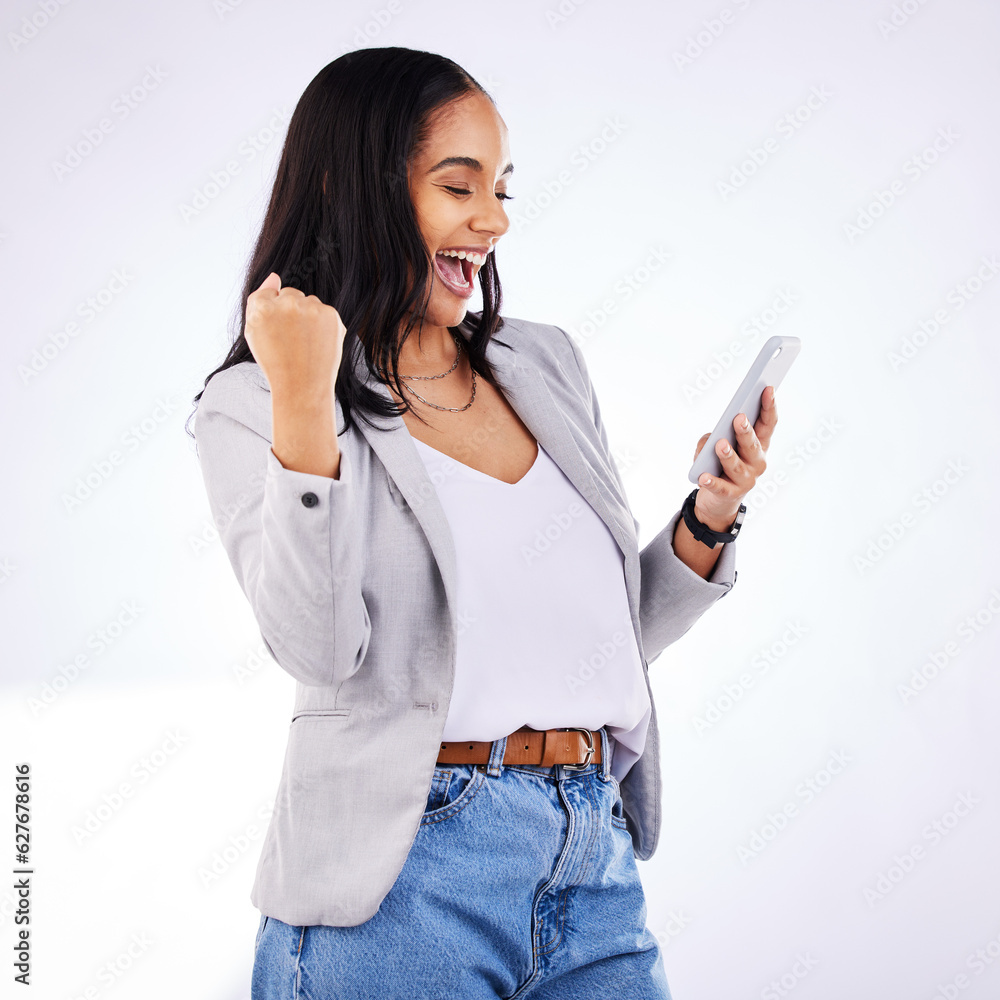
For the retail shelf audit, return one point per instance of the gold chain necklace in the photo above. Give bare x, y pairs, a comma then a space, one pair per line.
452, 409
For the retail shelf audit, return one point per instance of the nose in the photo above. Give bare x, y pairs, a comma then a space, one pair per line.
489, 216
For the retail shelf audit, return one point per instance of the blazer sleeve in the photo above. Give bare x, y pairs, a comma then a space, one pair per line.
672, 595
298, 563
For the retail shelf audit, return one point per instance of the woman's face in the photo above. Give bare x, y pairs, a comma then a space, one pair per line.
458, 183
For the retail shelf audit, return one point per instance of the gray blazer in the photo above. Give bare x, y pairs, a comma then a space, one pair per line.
352, 582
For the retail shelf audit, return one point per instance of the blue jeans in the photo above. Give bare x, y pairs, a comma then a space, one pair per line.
521, 883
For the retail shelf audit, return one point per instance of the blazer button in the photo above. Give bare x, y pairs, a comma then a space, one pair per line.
310, 499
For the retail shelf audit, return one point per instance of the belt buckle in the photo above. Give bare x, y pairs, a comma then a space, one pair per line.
590, 746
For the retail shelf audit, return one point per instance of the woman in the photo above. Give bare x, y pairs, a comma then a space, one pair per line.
435, 541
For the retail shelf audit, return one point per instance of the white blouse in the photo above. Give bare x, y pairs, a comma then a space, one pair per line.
545, 637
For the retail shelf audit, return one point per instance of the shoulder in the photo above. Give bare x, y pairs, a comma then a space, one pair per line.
240, 392
546, 347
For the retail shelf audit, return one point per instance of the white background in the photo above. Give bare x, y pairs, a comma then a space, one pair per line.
843, 550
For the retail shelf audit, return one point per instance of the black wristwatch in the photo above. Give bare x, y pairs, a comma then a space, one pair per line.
705, 534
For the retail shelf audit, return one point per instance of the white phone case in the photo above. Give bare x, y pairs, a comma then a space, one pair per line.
768, 368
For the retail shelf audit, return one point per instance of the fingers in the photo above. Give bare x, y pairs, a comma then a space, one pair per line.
271, 288
752, 442
270, 292
744, 464
764, 427
272, 281
739, 475
749, 447
722, 490
741, 465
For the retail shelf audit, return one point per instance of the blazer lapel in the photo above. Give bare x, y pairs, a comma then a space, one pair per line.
531, 398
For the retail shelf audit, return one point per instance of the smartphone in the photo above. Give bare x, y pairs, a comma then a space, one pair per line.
768, 368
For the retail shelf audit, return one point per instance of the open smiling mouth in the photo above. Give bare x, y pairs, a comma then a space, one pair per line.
456, 273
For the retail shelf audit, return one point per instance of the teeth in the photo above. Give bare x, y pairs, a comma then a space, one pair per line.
477, 258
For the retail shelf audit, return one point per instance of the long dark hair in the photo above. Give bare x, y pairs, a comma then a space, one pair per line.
354, 130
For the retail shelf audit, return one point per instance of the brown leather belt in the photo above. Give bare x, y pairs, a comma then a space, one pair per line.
544, 747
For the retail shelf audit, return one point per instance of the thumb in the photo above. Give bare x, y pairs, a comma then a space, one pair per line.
701, 444
272, 281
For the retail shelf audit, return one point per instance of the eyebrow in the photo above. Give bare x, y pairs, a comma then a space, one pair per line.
466, 161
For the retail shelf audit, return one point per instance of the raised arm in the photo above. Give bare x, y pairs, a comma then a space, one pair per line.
284, 502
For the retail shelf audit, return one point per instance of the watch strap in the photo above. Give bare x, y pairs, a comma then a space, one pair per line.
705, 534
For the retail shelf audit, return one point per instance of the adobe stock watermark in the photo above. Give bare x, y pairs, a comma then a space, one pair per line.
958, 298
30, 28
130, 441
9, 907
711, 30
396, 689
556, 526
122, 107
223, 8
622, 290
932, 835
111, 972
784, 984
796, 459
759, 154
378, 20
252, 663
938, 660
761, 664
261, 656
805, 792
977, 962
604, 653
88, 310
624, 459
211, 531
580, 161
677, 921
226, 855
723, 359
249, 148
899, 16
391, 693
913, 169
562, 12
305, 267
896, 529
142, 771
97, 642
474, 444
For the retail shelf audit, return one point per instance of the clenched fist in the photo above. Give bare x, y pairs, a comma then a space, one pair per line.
297, 340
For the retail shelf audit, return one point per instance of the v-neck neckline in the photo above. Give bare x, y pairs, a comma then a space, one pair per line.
486, 475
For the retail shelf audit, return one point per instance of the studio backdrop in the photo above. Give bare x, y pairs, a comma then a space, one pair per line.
691, 179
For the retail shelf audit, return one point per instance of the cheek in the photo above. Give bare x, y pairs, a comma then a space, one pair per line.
422, 211
438, 214
428, 206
